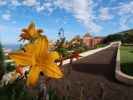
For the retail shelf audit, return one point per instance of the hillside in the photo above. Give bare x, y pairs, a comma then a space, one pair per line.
124, 36
127, 31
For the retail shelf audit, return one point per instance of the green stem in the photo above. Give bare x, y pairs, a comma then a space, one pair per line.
43, 94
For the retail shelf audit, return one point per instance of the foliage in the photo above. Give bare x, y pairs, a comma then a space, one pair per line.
113, 37
127, 59
9, 67
1, 62
31, 56
75, 42
63, 51
34, 58
62, 40
127, 68
52, 94
100, 45
15, 91
125, 37
128, 37
61, 46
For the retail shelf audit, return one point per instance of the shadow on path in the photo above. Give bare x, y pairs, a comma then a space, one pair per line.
101, 63
92, 78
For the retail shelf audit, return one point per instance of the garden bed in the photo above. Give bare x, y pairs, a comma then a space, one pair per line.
126, 55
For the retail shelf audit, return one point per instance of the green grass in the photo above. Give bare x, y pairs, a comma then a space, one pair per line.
15, 91
100, 45
126, 53
18, 91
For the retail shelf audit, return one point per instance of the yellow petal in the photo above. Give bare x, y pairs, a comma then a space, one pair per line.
51, 57
52, 71
29, 48
25, 35
21, 58
33, 76
41, 47
31, 29
31, 32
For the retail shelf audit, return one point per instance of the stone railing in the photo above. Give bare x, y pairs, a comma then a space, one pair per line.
87, 53
120, 76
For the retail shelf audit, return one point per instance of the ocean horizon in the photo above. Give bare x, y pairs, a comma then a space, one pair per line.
11, 46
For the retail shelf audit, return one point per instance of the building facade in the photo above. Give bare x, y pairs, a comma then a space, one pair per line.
91, 41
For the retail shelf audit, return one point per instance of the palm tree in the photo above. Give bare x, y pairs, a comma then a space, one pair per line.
1, 62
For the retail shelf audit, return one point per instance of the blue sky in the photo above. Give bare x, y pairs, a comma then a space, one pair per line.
98, 17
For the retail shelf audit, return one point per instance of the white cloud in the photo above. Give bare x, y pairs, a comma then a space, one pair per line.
40, 8
15, 3
104, 14
6, 17
30, 2
125, 11
124, 22
82, 10
126, 8
3, 2
46, 6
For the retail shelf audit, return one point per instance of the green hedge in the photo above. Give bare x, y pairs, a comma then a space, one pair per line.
126, 53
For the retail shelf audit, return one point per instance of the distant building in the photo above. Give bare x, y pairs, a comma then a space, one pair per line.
7, 51
91, 41
51, 45
88, 40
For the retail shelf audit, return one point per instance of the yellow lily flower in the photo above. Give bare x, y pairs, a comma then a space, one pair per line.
40, 60
28, 47
31, 32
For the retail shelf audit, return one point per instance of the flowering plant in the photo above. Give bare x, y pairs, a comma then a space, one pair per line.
36, 55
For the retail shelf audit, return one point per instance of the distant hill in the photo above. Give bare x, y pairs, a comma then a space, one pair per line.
124, 36
127, 31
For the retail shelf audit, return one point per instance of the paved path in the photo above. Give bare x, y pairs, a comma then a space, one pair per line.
92, 78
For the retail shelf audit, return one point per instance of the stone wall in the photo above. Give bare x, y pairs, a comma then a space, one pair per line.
120, 76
